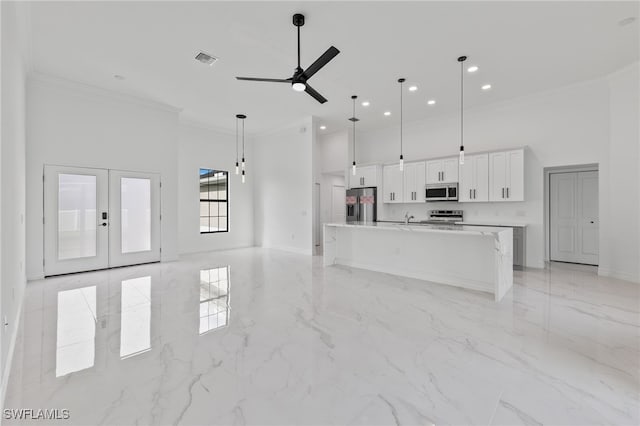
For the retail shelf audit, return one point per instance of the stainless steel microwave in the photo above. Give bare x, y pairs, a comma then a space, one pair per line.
441, 192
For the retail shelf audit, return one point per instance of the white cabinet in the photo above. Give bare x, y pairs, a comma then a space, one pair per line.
392, 184
474, 179
444, 170
365, 176
506, 175
414, 182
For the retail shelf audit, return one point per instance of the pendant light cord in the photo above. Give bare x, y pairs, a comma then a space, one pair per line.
354, 129
461, 105
243, 140
236, 141
401, 83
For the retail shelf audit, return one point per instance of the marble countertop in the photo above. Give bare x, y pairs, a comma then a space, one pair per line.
490, 222
417, 227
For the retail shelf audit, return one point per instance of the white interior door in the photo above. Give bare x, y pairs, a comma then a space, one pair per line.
134, 206
76, 235
338, 207
573, 217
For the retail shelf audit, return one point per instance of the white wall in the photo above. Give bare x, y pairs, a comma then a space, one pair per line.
283, 188
568, 126
620, 209
333, 151
76, 125
200, 147
12, 177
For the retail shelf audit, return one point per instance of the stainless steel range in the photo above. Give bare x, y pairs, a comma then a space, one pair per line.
448, 217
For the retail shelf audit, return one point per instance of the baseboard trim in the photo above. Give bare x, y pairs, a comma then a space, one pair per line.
625, 276
306, 252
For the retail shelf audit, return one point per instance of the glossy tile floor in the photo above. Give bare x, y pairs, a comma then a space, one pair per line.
264, 337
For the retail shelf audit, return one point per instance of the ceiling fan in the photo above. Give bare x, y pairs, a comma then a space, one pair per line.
300, 76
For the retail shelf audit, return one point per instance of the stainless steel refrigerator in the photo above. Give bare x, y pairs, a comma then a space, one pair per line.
361, 205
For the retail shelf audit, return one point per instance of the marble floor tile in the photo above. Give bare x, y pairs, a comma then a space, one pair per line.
264, 337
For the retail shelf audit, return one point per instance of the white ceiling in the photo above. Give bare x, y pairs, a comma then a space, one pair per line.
520, 47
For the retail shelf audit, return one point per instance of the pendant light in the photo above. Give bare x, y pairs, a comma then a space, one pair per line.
353, 119
401, 81
237, 164
242, 117
461, 59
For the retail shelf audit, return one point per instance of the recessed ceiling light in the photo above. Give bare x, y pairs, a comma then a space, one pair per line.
118, 77
323, 127
205, 58
627, 21
366, 104
486, 87
472, 69
431, 102
413, 88
387, 113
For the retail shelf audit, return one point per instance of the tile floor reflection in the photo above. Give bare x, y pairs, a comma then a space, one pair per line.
154, 344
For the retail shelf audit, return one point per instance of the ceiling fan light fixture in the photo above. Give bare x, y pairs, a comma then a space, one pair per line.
299, 87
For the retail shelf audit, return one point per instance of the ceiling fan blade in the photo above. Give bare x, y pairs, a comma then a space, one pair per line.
320, 62
317, 96
270, 80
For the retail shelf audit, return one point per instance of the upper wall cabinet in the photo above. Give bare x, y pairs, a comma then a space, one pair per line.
365, 176
474, 179
414, 181
393, 184
506, 175
444, 170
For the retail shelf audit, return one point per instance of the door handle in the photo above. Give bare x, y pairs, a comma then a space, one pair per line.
104, 223
474, 194
590, 221
502, 192
470, 196
507, 192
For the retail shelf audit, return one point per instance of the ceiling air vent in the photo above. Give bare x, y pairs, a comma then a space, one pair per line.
205, 58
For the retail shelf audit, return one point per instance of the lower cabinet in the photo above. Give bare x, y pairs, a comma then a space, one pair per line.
519, 246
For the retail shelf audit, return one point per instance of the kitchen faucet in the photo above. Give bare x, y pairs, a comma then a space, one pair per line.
407, 218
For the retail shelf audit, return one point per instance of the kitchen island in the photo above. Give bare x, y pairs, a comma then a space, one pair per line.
472, 257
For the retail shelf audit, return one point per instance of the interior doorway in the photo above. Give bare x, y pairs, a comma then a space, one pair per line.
99, 218
573, 217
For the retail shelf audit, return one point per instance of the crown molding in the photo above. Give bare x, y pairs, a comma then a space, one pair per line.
201, 125
39, 77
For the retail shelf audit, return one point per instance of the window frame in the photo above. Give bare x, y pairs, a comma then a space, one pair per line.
217, 201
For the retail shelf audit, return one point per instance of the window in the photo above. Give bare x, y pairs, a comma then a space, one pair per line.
214, 201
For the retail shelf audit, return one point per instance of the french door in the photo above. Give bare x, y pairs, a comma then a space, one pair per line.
99, 218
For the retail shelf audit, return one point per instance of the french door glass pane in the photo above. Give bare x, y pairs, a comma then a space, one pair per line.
135, 327
76, 330
77, 216
136, 214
